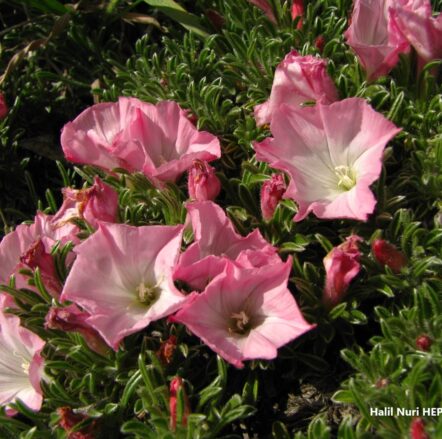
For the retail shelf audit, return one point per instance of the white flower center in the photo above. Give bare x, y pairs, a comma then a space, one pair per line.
148, 294
25, 363
346, 177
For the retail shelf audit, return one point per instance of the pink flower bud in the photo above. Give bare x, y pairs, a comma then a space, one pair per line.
203, 184
341, 266
271, 193
423, 343
101, 203
3, 106
71, 319
97, 203
417, 429
298, 11
387, 254
36, 256
175, 385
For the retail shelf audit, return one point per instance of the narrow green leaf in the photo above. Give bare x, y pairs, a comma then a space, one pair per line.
176, 12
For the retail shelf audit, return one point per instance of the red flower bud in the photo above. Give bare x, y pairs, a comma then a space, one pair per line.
167, 349
417, 429
423, 343
69, 419
215, 18
175, 385
203, 184
320, 43
3, 107
36, 256
387, 254
271, 193
71, 319
298, 11
265, 6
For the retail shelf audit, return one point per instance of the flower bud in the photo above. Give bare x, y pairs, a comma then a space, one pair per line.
3, 106
69, 419
167, 349
203, 184
271, 193
423, 343
387, 254
298, 11
266, 7
36, 256
96, 203
417, 429
71, 319
341, 266
320, 43
175, 385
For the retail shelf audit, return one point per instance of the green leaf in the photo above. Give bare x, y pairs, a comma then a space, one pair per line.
47, 6
178, 13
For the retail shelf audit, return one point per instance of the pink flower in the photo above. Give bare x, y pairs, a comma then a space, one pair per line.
297, 11
122, 277
265, 6
203, 184
271, 193
415, 20
175, 386
375, 37
13, 246
21, 365
298, 79
71, 319
97, 203
341, 266
245, 314
216, 241
333, 153
29, 246
158, 140
3, 107
387, 254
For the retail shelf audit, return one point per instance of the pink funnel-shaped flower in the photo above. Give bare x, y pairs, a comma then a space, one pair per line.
245, 313
97, 203
21, 365
298, 79
216, 241
341, 266
375, 37
122, 277
203, 184
415, 20
271, 193
333, 154
158, 140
